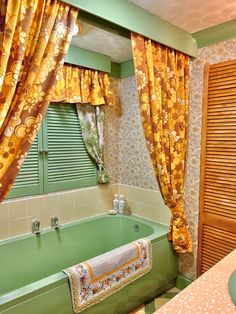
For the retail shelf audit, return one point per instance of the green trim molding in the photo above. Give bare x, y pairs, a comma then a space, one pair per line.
88, 59
133, 18
115, 70
182, 282
121, 70
216, 34
127, 69
98, 61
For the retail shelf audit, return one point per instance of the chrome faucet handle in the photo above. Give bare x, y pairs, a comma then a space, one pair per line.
55, 222
36, 227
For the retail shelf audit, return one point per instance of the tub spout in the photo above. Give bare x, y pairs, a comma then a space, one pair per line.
36, 227
55, 223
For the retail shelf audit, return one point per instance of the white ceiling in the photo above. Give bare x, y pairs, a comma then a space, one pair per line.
191, 15
99, 40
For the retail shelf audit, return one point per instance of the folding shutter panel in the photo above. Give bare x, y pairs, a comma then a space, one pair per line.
217, 218
68, 164
29, 180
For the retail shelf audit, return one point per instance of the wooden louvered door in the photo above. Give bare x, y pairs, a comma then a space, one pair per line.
217, 217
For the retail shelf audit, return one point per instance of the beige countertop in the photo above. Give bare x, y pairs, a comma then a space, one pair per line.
208, 294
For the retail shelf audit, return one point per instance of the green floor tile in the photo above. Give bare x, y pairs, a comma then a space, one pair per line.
159, 301
150, 307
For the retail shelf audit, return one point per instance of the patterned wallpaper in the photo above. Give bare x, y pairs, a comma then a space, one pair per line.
126, 153
212, 54
125, 143
136, 168
112, 135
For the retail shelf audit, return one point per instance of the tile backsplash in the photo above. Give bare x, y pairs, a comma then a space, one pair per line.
17, 215
146, 203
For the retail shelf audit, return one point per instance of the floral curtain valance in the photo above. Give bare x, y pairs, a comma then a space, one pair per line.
162, 76
34, 39
81, 85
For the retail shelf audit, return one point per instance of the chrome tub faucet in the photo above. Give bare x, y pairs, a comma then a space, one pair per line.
55, 223
36, 227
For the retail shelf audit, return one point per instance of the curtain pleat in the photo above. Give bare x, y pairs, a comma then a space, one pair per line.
81, 85
162, 77
92, 120
34, 39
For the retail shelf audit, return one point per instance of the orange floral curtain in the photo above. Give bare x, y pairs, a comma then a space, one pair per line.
81, 85
162, 76
34, 38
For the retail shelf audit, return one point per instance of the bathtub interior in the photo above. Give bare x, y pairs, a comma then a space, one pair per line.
28, 259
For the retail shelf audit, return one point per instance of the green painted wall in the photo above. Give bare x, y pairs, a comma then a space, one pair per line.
98, 61
88, 59
115, 70
121, 70
127, 69
215, 34
133, 18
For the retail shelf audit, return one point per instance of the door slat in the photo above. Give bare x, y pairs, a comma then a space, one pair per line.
217, 212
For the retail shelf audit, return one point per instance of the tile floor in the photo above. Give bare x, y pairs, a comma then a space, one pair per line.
155, 304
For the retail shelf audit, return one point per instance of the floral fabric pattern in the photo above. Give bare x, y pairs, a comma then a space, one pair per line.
162, 78
34, 38
81, 85
96, 279
92, 120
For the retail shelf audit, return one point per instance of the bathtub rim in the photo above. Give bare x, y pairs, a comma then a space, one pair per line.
150, 222
31, 290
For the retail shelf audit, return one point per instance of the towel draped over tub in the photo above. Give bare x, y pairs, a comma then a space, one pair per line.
97, 278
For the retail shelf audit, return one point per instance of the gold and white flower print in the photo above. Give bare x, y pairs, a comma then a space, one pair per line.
162, 78
81, 85
34, 37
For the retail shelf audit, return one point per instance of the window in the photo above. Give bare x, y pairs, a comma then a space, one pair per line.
58, 159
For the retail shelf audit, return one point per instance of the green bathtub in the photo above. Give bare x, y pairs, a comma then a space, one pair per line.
31, 280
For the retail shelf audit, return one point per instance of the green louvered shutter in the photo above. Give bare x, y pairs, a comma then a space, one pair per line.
68, 164
29, 180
